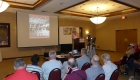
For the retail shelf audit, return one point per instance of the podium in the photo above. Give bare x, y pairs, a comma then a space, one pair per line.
78, 44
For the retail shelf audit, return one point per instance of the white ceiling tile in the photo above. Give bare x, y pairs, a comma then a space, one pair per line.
21, 1
31, 1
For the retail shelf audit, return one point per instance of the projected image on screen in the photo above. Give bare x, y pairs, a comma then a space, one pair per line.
39, 26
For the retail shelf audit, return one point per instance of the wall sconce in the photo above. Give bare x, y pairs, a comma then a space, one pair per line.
87, 32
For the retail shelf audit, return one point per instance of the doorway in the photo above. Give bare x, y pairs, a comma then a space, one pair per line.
124, 38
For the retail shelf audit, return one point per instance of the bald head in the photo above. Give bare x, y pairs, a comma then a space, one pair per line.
95, 59
72, 63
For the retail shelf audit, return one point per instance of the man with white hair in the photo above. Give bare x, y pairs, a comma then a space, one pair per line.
108, 66
95, 69
83, 59
48, 66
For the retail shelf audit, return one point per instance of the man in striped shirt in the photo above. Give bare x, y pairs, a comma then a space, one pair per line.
34, 66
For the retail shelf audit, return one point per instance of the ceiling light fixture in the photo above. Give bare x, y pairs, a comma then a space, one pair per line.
98, 19
3, 6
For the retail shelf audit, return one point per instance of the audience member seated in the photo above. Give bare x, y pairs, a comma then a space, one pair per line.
34, 66
21, 73
76, 73
48, 66
130, 50
137, 50
108, 66
83, 59
65, 64
95, 69
129, 54
132, 64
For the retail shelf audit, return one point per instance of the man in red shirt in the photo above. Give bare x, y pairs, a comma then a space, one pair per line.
21, 73
76, 74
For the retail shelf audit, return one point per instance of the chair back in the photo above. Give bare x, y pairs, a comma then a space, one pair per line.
55, 74
115, 75
9, 75
100, 77
86, 66
37, 73
70, 70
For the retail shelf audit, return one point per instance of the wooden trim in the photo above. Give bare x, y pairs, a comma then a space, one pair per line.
72, 6
67, 12
117, 1
21, 7
37, 4
126, 11
105, 50
27, 6
19, 57
17, 2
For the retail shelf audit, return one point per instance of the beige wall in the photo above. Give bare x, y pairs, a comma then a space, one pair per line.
105, 32
13, 51
86, 25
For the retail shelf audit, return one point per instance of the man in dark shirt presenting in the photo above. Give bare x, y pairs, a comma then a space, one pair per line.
76, 73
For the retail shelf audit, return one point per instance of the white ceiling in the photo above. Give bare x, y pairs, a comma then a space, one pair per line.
89, 7
56, 5
51, 7
135, 3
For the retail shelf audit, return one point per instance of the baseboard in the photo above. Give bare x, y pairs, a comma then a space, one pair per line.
105, 50
18, 57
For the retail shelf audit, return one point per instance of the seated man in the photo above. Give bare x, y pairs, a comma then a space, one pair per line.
130, 50
95, 69
132, 64
48, 66
21, 73
76, 74
108, 66
65, 64
34, 66
83, 59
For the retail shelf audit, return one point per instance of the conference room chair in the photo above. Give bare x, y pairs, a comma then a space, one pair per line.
115, 75
86, 66
55, 74
37, 73
70, 70
136, 71
100, 77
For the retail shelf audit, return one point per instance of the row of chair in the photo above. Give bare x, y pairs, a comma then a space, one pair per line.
114, 76
55, 74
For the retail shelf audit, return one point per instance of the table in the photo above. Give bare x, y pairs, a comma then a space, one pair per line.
62, 58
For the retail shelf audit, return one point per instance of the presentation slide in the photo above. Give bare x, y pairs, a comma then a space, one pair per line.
39, 26
36, 30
